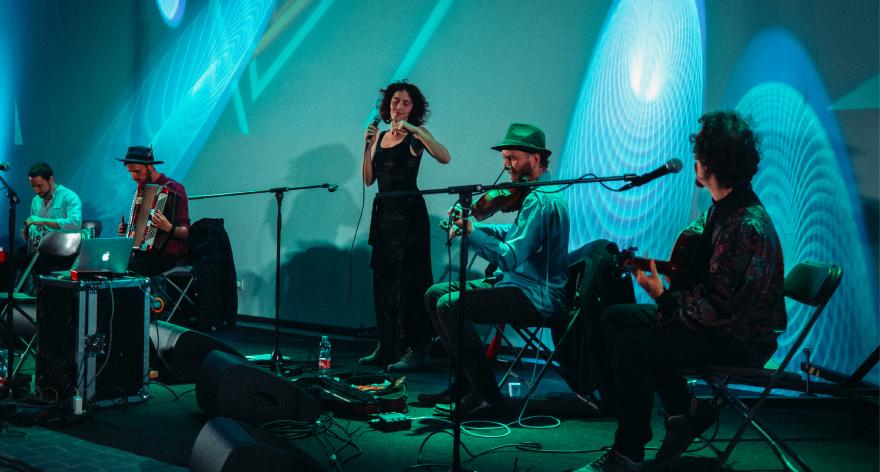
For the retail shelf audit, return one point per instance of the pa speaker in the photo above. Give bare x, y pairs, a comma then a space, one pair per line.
224, 445
230, 386
179, 352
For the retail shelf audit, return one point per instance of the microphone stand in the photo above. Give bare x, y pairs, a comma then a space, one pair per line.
10, 295
465, 197
276, 359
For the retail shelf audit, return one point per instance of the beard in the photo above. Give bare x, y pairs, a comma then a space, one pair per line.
523, 174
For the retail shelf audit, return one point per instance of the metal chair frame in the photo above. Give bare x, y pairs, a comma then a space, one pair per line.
809, 283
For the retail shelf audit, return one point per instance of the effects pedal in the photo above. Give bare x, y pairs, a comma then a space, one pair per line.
389, 422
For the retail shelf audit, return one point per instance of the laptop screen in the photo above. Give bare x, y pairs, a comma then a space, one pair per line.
104, 255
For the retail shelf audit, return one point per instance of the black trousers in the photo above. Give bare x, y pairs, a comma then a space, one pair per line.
641, 357
151, 264
483, 304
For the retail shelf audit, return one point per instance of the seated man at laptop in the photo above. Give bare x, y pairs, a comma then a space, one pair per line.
140, 164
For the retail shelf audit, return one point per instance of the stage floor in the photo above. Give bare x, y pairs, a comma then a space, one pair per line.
158, 434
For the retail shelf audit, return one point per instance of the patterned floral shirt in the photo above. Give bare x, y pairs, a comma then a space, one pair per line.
739, 274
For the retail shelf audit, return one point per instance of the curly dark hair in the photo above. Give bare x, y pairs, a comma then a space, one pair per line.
40, 169
420, 111
728, 148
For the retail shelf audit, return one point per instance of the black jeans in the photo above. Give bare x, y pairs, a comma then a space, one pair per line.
151, 264
483, 304
641, 359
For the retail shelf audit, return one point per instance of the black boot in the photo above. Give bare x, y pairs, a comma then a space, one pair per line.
379, 356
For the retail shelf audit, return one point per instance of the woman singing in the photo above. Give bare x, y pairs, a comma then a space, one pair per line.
401, 259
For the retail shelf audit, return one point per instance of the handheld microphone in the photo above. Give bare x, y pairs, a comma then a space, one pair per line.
4, 166
672, 166
375, 122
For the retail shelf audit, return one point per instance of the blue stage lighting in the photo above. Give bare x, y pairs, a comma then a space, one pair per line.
638, 105
176, 103
806, 182
172, 11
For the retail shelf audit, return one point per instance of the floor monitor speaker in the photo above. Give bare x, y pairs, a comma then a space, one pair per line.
225, 445
231, 386
177, 352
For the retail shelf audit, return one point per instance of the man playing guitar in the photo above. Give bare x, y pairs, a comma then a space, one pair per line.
727, 313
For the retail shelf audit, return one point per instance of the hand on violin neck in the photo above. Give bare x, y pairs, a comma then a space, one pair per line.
456, 230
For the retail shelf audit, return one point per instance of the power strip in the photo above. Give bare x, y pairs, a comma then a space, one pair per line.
389, 422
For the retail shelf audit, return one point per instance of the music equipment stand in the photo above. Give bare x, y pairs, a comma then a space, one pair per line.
276, 359
10, 296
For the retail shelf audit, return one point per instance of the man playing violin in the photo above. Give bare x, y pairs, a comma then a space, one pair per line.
529, 284
728, 314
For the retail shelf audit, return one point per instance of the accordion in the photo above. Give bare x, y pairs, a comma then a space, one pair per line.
148, 200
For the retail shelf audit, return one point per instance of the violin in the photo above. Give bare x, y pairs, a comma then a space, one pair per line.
504, 200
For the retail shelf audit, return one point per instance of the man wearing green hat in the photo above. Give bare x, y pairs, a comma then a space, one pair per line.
528, 286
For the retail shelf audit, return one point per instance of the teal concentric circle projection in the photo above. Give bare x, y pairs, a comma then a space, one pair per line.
175, 102
808, 196
640, 101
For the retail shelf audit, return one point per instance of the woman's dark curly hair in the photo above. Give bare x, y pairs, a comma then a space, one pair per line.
420, 111
728, 148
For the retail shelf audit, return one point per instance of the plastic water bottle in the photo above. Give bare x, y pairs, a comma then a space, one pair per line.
324, 356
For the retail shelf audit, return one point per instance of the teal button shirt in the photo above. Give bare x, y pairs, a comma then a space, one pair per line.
65, 209
531, 253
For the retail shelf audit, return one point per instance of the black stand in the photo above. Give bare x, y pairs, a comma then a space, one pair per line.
10, 295
276, 360
465, 198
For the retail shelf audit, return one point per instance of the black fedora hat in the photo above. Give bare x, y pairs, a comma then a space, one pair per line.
139, 155
524, 137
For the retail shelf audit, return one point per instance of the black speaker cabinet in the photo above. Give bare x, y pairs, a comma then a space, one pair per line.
92, 340
231, 386
224, 445
178, 352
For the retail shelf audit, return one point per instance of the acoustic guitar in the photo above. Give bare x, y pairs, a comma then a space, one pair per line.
675, 267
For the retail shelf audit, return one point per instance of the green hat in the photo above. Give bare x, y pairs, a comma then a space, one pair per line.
524, 137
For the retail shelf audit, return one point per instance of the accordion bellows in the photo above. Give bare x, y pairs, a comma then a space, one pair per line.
148, 200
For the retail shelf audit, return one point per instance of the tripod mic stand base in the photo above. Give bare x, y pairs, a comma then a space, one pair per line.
271, 360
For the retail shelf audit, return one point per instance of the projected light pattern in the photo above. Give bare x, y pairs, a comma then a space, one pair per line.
8, 107
801, 183
638, 105
175, 106
172, 11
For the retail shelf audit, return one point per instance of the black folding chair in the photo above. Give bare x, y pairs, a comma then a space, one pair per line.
531, 334
810, 283
176, 289
588, 290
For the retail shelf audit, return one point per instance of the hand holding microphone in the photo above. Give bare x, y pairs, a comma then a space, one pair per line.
372, 129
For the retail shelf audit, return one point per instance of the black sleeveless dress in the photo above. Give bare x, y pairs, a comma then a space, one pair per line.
401, 259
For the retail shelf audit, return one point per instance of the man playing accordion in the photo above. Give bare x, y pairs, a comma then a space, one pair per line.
161, 230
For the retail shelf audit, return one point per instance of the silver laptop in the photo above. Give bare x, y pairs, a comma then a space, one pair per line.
104, 256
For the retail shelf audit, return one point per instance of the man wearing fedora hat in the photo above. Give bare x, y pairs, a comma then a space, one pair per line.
528, 286
140, 163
